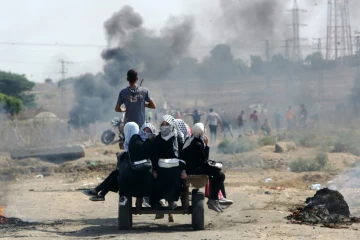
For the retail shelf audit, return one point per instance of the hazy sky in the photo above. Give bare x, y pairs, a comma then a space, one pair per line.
81, 22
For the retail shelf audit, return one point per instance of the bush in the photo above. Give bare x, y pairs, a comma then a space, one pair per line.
10, 105
320, 163
347, 142
307, 139
239, 145
267, 140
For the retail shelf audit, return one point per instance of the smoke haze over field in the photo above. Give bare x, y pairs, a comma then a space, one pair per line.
131, 46
249, 21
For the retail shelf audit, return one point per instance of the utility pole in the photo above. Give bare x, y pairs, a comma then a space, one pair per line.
63, 71
289, 66
267, 51
338, 39
317, 48
296, 48
267, 66
287, 52
357, 44
317, 45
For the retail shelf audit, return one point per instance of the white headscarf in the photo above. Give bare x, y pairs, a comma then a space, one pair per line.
170, 131
130, 129
144, 135
198, 131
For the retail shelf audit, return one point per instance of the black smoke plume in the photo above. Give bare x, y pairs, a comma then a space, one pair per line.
130, 46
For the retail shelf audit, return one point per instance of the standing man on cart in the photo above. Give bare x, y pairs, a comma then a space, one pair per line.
135, 98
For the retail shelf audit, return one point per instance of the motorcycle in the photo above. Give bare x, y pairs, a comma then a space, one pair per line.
108, 136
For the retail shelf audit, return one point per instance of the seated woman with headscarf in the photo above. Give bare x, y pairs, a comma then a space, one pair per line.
138, 142
183, 127
168, 169
136, 183
195, 153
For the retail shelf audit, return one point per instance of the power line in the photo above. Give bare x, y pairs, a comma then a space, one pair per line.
53, 44
91, 45
46, 63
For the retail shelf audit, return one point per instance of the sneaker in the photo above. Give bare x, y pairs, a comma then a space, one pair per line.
220, 207
214, 205
146, 202
171, 218
226, 202
97, 198
173, 205
123, 201
90, 192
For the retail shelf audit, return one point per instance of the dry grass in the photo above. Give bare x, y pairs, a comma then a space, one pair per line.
39, 133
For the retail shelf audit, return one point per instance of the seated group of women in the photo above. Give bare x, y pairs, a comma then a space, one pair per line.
174, 154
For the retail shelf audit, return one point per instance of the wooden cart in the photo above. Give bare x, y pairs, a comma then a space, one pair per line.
196, 208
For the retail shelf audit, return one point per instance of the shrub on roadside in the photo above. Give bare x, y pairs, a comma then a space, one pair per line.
320, 163
10, 105
268, 140
347, 142
307, 139
240, 145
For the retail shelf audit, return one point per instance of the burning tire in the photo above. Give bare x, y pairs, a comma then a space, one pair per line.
125, 215
197, 217
107, 137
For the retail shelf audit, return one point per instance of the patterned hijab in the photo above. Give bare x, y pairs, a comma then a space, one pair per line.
170, 131
144, 135
183, 127
130, 129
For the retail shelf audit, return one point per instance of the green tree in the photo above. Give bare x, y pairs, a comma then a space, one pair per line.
16, 85
10, 105
257, 64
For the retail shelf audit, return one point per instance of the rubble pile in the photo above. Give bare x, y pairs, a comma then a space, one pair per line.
327, 207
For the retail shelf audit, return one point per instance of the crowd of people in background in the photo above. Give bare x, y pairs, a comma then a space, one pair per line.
246, 124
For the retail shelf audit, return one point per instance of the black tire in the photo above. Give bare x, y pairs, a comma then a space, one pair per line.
197, 217
107, 137
125, 216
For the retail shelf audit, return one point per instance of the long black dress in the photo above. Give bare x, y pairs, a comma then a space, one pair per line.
194, 156
136, 184
168, 183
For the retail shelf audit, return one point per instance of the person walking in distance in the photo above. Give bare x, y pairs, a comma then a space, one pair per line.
254, 119
135, 99
278, 116
241, 122
213, 119
303, 116
289, 119
196, 115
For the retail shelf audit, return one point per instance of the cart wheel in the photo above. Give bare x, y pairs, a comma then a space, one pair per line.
125, 216
197, 217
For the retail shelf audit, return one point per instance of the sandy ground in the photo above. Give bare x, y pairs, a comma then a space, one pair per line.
55, 210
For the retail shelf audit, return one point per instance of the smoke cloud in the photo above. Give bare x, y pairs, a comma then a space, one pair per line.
130, 45
248, 21
136, 47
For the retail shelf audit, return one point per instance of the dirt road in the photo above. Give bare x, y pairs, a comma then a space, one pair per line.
55, 211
